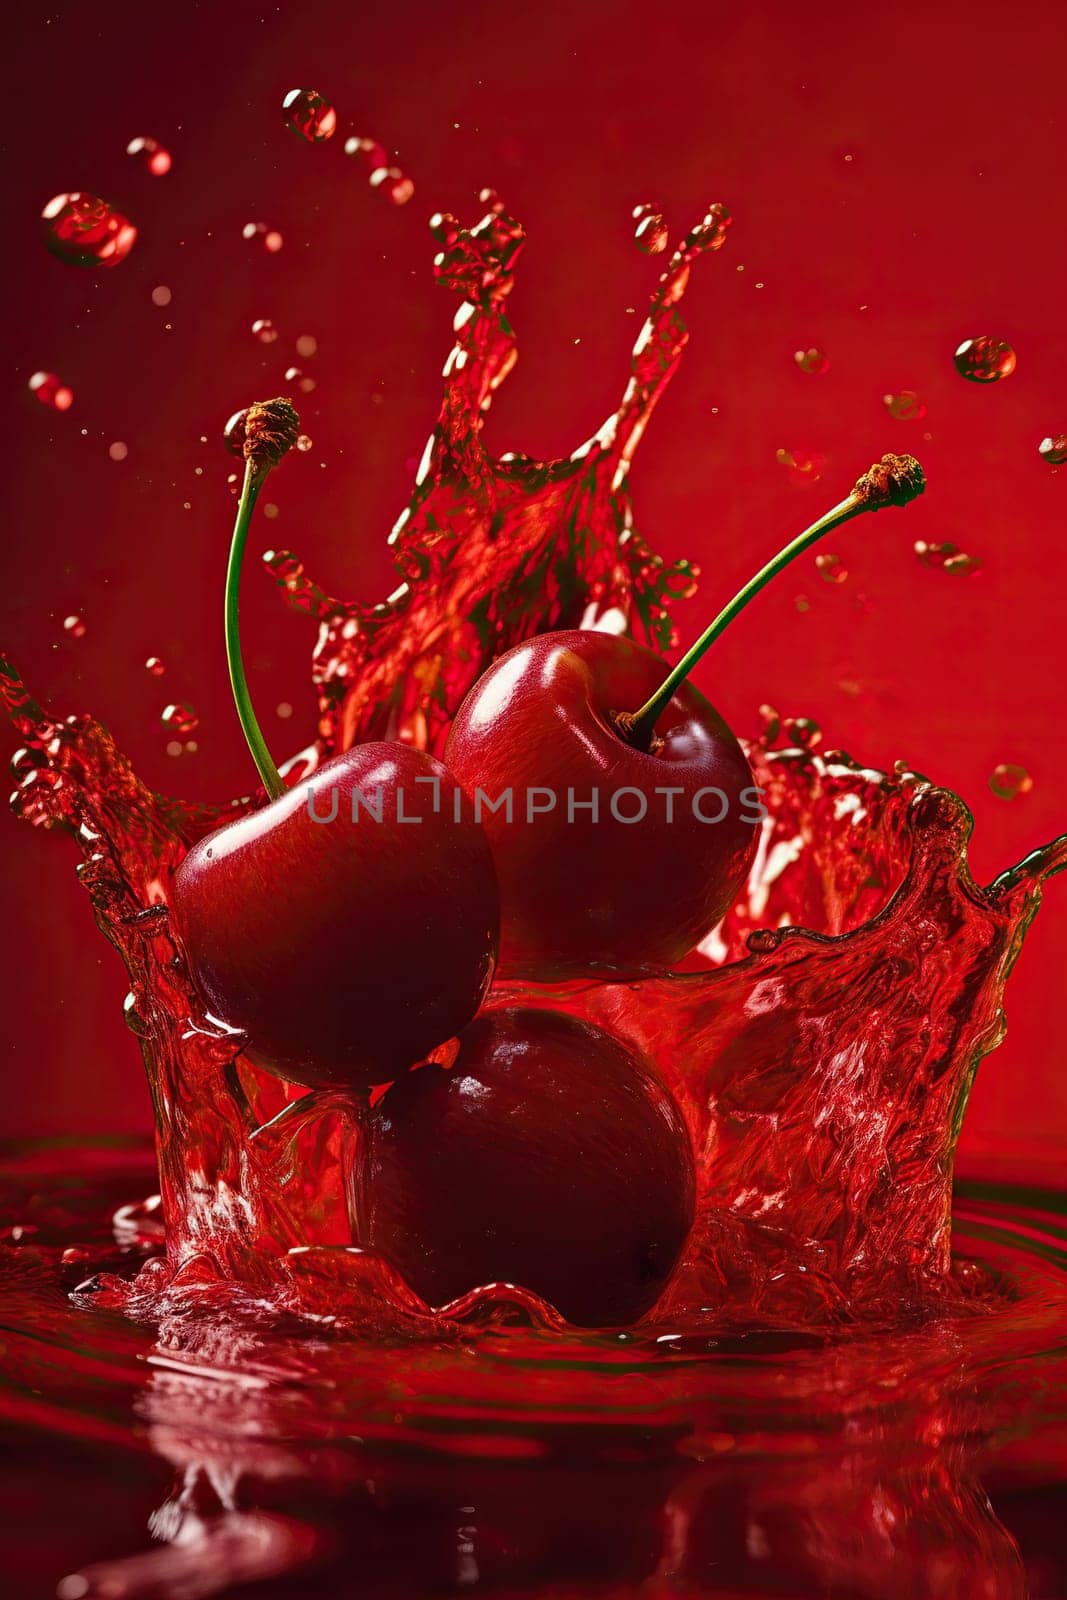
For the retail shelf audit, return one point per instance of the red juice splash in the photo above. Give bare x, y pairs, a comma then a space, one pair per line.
824, 1073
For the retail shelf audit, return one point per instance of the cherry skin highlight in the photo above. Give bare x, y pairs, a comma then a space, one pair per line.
568, 715
345, 949
548, 1155
580, 892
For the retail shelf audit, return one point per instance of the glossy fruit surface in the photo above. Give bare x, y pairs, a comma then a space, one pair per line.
344, 946
548, 1155
617, 889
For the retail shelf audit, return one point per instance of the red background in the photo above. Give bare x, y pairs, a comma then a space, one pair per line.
895, 176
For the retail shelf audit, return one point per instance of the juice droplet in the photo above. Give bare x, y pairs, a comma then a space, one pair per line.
304, 443
381, 173
151, 154
1054, 449
772, 724
118, 451
161, 295
905, 405
803, 466
284, 710
27, 760
803, 731
306, 345
831, 568
156, 666
270, 239
264, 330
299, 379
650, 229
179, 717
393, 183
51, 391
85, 231
74, 626
310, 115
811, 360
1008, 781
946, 557
985, 360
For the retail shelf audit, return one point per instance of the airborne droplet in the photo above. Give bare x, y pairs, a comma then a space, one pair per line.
811, 360
269, 238
803, 466
1008, 781
1053, 449
51, 391
180, 718
151, 154
946, 557
381, 174
393, 183
831, 568
803, 731
301, 380
985, 360
264, 330
905, 405
650, 229
85, 231
310, 115
156, 666
74, 626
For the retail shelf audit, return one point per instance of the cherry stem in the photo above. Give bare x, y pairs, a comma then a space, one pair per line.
893, 481
254, 479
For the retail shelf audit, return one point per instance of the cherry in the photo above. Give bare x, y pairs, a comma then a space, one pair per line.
350, 925
547, 1155
639, 879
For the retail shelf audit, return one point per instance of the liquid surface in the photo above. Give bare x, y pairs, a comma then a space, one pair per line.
200, 1450
809, 1402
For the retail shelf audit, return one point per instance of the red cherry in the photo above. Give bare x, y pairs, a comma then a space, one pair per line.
345, 949
569, 716
350, 925
548, 1155
580, 891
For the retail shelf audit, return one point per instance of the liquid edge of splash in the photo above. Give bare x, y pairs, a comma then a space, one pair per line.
824, 1074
